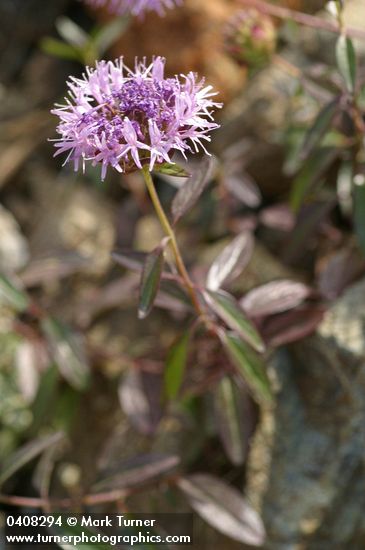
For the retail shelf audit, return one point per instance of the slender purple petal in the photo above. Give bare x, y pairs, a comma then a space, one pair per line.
135, 7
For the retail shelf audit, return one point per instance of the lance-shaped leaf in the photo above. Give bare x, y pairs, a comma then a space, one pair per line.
319, 128
68, 352
230, 420
231, 261
346, 61
130, 259
228, 309
291, 326
60, 49
12, 296
244, 188
274, 297
175, 365
150, 279
345, 179
359, 209
140, 396
249, 364
26, 453
71, 32
171, 169
224, 508
109, 33
138, 470
311, 173
189, 193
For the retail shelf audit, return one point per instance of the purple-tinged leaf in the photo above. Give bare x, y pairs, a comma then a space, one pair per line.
230, 418
165, 299
231, 261
175, 365
53, 268
279, 217
244, 188
140, 399
274, 297
228, 310
68, 351
224, 508
138, 471
42, 476
248, 364
27, 359
339, 272
150, 280
345, 179
190, 192
130, 259
291, 326
26, 453
310, 219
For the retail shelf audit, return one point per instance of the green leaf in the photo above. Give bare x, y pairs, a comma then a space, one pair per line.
175, 366
229, 415
359, 209
189, 193
249, 364
224, 508
309, 175
229, 310
150, 280
71, 32
68, 352
12, 296
109, 33
60, 49
319, 128
346, 61
171, 169
26, 453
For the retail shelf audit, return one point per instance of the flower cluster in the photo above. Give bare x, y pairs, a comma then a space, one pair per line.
250, 38
126, 119
135, 7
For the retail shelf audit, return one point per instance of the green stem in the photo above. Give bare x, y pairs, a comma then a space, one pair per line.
173, 242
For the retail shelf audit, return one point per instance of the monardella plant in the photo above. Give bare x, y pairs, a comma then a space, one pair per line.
134, 120
127, 119
135, 7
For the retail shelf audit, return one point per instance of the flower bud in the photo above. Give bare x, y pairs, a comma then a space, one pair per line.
250, 38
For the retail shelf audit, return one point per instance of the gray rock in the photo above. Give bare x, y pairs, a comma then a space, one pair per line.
306, 471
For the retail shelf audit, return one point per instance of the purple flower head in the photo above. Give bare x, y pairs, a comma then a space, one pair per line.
125, 119
135, 7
